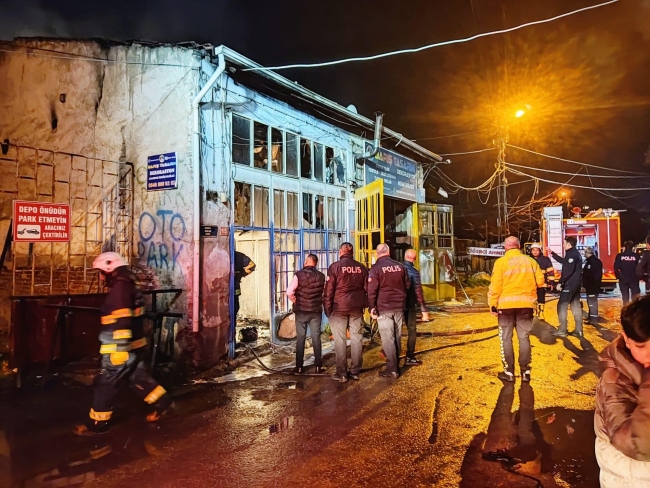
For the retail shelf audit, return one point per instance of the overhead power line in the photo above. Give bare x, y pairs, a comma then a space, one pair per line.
521, 173
430, 46
578, 162
565, 173
469, 152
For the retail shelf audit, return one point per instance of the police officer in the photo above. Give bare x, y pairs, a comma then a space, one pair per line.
306, 293
388, 284
243, 267
569, 287
414, 299
643, 268
546, 266
344, 300
122, 347
625, 270
592, 277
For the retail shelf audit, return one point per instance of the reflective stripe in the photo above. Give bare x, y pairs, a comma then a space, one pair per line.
155, 395
107, 348
550, 270
101, 452
248, 268
122, 334
119, 358
138, 312
100, 416
138, 343
113, 317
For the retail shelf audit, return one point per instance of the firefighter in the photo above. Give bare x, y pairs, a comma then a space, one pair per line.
243, 267
625, 271
569, 288
643, 268
122, 347
344, 300
592, 277
549, 277
388, 284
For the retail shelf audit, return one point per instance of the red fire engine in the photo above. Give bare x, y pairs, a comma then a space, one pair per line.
600, 229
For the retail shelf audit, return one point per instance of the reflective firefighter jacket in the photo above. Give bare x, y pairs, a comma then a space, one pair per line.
122, 316
547, 268
514, 283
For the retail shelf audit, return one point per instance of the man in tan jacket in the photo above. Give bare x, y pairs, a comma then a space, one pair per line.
622, 419
512, 297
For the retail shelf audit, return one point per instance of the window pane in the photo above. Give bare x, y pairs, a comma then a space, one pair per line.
426, 222
278, 209
241, 140
305, 158
320, 212
308, 210
318, 161
341, 214
331, 213
292, 211
292, 155
261, 217
261, 149
277, 150
340, 163
358, 171
242, 204
329, 165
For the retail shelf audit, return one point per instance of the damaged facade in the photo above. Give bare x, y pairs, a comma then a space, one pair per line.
278, 168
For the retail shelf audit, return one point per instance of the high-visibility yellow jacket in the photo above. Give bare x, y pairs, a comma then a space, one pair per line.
515, 279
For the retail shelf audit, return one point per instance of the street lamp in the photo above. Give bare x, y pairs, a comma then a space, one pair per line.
520, 113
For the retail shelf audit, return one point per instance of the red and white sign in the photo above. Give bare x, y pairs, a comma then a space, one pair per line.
41, 222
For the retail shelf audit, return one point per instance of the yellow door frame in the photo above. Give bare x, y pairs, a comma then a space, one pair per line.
369, 229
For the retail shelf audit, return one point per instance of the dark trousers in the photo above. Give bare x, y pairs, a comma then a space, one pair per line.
313, 321
236, 309
339, 325
509, 320
541, 296
390, 331
629, 288
569, 298
411, 315
592, 303
117, 369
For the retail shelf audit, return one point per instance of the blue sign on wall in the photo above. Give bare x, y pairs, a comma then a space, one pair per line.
161, 172
398, 173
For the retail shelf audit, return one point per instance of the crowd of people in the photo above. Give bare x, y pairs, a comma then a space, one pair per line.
392, 293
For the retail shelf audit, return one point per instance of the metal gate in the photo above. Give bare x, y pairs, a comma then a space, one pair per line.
100, 194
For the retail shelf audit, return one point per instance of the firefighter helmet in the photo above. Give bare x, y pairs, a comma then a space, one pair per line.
108, 262
536, 245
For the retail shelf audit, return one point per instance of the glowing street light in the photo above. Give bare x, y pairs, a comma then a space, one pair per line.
520, 113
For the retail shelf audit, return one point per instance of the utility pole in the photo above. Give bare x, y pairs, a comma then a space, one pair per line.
502, 185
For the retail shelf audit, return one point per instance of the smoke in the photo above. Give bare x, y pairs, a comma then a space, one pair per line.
21, 18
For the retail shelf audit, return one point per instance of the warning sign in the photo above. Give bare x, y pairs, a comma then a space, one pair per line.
41, 222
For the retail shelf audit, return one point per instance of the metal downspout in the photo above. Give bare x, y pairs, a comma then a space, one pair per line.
196, 173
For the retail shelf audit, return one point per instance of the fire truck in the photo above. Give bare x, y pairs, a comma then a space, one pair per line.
600, 229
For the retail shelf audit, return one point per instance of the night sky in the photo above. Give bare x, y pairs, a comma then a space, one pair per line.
586, 78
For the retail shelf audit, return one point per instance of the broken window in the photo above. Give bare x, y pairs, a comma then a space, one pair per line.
278, 209
277, 150
242, 204
241, 140
261, 214
318, 161
358, 171
308, 210
329, 165
292, 211
292, 155
340, 164
261, 148
305, 159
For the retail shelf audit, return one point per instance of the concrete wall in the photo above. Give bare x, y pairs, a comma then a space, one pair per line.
61, 97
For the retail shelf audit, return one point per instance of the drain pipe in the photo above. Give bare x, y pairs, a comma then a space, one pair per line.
379, 119
196, 171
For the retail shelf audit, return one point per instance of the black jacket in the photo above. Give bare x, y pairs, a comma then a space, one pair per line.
243, 267
415, 296
643, 268
547, 268
345, 288
592, 274
388, 284
571, 278
625, 266
122, 312
309, 294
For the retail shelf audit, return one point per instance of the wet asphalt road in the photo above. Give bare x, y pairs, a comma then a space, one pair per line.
432, 427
